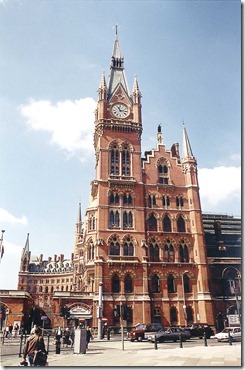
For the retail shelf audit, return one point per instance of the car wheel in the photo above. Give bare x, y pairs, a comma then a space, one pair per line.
139, 339
175, 340
131, 340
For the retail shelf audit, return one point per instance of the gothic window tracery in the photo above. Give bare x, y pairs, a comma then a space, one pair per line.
114, 247
168, 251
125, 161
128, 247
165, 201
127, 219
154, 251
114, 160
114, 218
163, 171
183, 252
128, 284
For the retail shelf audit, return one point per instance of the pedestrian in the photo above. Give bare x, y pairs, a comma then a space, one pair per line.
88, 336
7, 331
35, 349
58, 334
15, 330
67, 341
10, 330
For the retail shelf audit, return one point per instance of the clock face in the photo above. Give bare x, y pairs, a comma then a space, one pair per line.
120, 110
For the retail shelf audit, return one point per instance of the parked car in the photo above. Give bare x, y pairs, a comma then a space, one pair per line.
198, 329
223, 336
170, 334
139, 332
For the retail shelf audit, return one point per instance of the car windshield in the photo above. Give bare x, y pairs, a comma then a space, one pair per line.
226, 330
140, 327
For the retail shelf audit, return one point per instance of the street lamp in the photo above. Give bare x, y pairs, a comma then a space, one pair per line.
184, 302
1, 245
99, 313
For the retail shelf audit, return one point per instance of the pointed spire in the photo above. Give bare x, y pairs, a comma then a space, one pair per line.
136, 91
26, 247
117, 75
186, 151
103, 81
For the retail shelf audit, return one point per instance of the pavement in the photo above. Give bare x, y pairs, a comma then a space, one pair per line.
124, 354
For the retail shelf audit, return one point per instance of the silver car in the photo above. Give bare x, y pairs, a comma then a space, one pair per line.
223, 336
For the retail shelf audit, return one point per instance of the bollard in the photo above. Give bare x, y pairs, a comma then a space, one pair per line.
205, 339
229, 338
155, 342
48, 343
180, 340
21, 340
108, 334
57, 346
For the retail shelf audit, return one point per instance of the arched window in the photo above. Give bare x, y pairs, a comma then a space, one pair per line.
181, 225
115, 284
128, 248
128, 284
127, 219
155, 284
114, 219
173, 316
114, 199
171, 284
167, 224
165, 201
114, 247
127, 199
46, 289
40, 288
186, 282
163, 175
152, 223
154, 252
91, 251
114, 165
189, 315
168, 251
183, 252
125, 161
52, 289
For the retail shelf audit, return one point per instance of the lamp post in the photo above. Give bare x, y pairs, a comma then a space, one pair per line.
237, 290
99, 314
1, 245
184, 301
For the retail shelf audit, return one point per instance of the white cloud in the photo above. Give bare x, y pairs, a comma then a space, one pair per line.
218, 185
70, 123
11, 248
5, 216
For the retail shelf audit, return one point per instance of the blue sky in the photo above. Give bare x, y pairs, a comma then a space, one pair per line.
187, 58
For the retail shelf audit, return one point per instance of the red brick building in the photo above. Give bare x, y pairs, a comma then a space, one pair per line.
142, 235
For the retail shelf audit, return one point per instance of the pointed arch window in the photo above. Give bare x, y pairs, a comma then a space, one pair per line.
91, 251
114, 198
125, 161
128, 248
231, 282
168, 251
128, 284
155, 284
183, 252
127, 199
114, 159
127, 219
114, 219
181, 224
167, 224
171, 284
186, 282
114, 247
154, 252
115, 283
152, 223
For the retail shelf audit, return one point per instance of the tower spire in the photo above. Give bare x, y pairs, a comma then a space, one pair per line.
186, 151
26, 247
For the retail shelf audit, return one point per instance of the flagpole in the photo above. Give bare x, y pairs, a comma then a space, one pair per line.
1, 246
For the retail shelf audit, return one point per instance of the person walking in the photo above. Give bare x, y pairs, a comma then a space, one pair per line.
88, 336
35, 349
